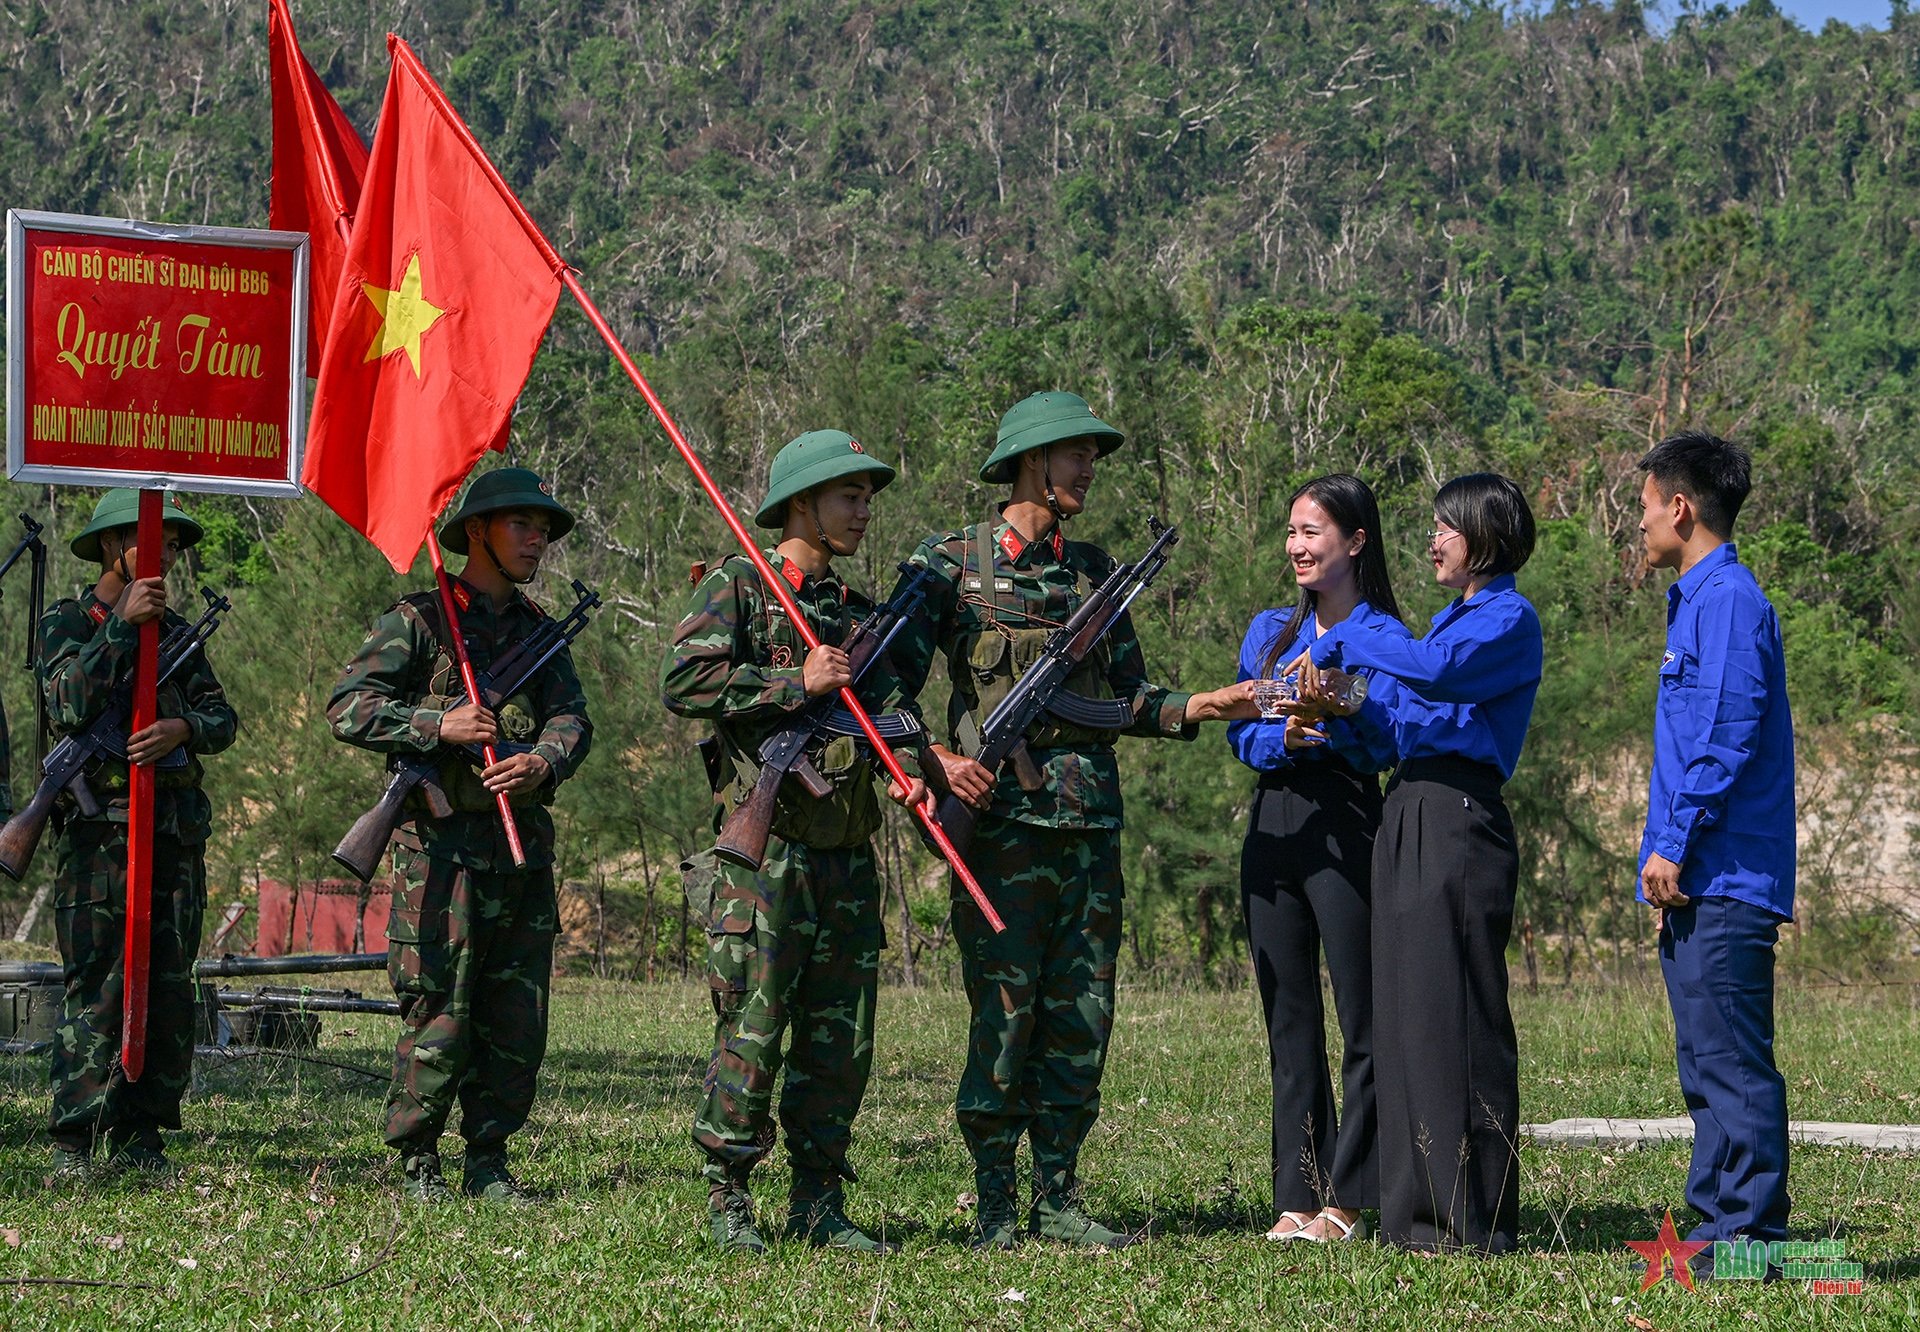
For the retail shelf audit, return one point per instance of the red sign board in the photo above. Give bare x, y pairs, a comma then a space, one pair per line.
155, 356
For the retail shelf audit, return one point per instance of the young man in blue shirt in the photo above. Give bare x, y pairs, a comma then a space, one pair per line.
1717, 858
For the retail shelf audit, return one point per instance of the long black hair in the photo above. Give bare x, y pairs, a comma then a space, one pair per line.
1350, 503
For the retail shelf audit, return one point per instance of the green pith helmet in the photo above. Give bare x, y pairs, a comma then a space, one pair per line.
1045, 418
121, 508
810, 460
499, 491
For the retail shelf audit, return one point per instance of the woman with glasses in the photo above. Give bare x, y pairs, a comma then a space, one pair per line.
1306, 869
1445, 869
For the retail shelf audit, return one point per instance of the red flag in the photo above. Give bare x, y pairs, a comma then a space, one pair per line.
447, 290
318, 163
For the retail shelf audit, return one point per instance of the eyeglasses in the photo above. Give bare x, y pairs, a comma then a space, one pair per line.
1440, 534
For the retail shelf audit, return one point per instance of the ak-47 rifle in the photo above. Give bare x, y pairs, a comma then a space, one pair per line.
743, 837
30, 543
360, 850
65, 767
1042, 687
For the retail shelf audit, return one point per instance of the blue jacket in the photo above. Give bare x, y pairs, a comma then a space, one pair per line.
1467, 686
1363, 740
1721, 801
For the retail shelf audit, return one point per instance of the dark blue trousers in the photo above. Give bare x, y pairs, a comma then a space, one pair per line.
1717, 957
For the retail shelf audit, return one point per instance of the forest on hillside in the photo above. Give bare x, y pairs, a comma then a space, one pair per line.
1397, 237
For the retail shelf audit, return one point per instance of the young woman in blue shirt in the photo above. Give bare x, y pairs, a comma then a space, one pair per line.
1306, 870
1445, 871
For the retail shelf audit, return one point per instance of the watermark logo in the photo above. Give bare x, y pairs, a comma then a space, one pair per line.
1822, 1264
1665, 1251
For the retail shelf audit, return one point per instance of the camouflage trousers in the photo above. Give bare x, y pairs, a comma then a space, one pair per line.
91, 1095
1041, 993
794, 947
470, 955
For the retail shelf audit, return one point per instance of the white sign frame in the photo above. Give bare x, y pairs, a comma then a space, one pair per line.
20, 221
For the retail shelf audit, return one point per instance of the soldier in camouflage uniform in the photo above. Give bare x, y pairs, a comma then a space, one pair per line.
87, 647
470, 937
1047, 853
796, 946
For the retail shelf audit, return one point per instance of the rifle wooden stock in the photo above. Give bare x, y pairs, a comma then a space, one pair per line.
743, 837
21, 837
366, 841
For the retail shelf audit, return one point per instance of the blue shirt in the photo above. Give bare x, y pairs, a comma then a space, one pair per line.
1721, 800
1467, 685
1363, 739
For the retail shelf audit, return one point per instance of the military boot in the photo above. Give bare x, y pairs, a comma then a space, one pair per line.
730, 1218
72, 1167
818, 1216
996, 1217
137, 1151
485, 1176
423, 1181
1057, 1215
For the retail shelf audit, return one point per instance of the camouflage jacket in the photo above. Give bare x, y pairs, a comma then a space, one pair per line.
392, 695
86, 654
1037, 585
736, 661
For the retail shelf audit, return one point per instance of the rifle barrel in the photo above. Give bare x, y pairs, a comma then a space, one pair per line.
294, 965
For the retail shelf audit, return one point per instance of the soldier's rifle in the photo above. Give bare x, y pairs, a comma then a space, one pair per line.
743, 837
30, 542
1042, 687
360, 850
65, 766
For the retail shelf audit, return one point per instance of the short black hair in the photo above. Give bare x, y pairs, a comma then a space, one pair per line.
1713, 473
1492, 517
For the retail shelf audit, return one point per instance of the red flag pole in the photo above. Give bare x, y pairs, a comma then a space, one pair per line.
146, 670
402, 53
451, 614
778, 586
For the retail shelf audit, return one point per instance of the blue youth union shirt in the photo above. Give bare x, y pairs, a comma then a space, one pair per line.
1363, 740
1721, 801
1467, 686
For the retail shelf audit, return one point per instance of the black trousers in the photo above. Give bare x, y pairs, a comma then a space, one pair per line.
1306, 873
1446, 1067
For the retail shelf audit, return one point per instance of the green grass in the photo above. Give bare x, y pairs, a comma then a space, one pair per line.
284, 1187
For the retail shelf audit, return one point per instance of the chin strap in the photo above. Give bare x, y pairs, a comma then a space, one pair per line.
826, 542
1046, 479
487, 546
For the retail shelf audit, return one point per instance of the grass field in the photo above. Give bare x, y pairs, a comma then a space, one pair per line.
285, 1197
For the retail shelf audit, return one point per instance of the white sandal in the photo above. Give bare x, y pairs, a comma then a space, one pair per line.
1354, 1230
1301, 1220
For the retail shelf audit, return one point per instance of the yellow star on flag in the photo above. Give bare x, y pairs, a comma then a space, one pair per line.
404, 314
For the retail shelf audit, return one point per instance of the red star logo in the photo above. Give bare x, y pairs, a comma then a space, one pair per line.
1667, 1244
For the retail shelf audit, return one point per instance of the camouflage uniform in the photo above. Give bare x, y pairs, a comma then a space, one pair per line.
1049, 859
85, 653
470, 937
795, 946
